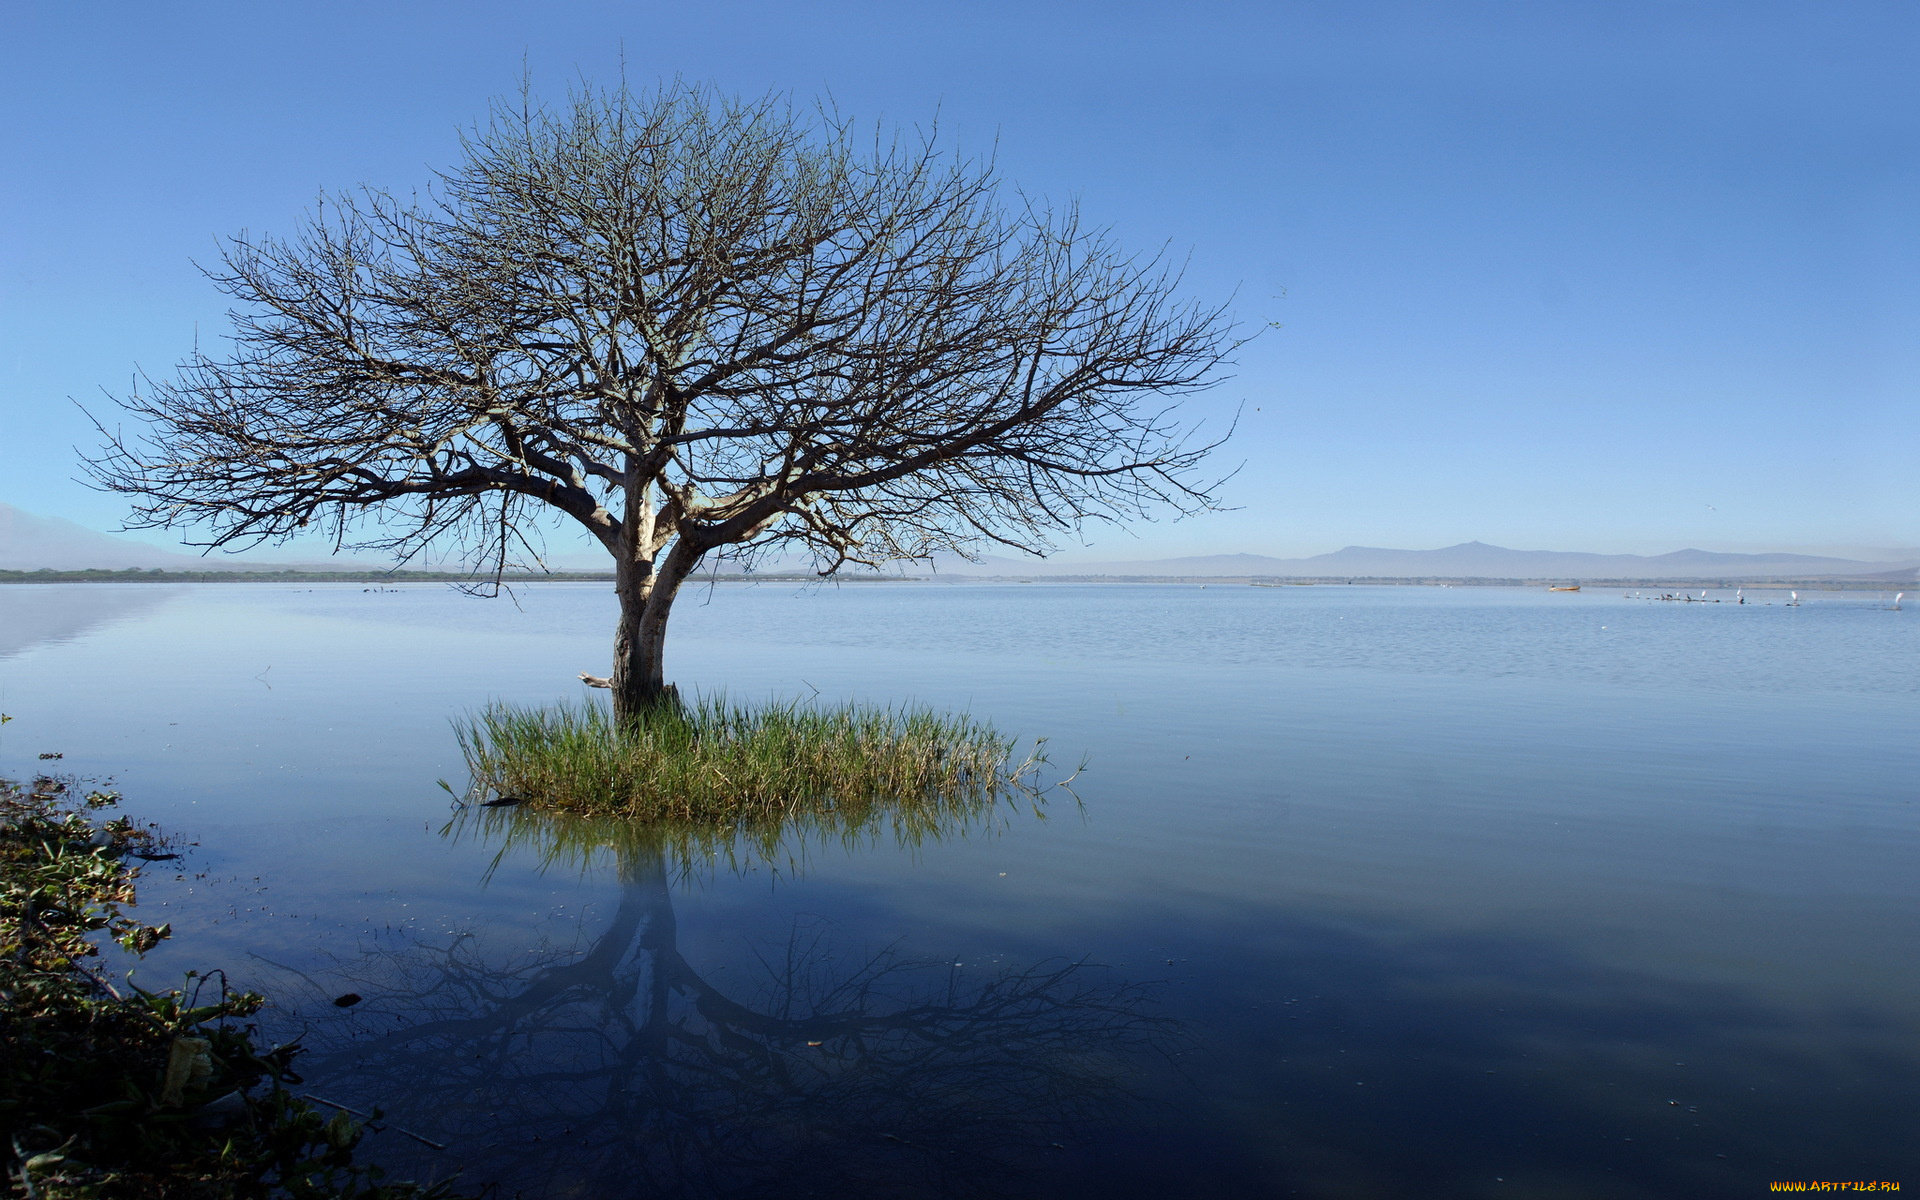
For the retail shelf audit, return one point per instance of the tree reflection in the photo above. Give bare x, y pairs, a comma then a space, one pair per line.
613, 1067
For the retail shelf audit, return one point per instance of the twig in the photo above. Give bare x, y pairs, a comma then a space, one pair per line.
369, 1117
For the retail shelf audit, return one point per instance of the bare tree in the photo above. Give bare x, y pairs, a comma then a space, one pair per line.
692, 324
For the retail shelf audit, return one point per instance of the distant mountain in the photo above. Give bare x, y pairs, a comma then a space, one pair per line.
30, 543
1468, 560
1903, 575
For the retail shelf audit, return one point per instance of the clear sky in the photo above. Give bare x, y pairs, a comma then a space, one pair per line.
1607, 276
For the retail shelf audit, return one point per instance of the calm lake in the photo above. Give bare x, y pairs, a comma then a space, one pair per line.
1364, 892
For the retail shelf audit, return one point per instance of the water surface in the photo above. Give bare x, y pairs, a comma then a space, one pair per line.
1368, 892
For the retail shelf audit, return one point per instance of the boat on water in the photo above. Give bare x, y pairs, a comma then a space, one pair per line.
1557, 588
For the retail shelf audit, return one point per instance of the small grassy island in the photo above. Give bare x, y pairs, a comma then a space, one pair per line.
713, 761
109, 1090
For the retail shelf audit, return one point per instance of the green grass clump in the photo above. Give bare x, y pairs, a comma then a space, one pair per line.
716, 761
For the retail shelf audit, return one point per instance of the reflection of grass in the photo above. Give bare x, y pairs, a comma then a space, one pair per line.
583, 843
714, 761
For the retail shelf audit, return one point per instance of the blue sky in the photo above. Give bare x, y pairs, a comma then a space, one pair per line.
1549, 275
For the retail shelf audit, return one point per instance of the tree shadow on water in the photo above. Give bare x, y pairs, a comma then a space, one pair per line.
615, 1067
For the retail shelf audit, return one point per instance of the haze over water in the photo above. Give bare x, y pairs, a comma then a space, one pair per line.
1375, 891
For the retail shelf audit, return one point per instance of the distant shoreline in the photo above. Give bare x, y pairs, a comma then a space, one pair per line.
157, 575
1817, 583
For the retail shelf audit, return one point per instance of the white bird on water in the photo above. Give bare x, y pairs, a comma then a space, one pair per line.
1896, 600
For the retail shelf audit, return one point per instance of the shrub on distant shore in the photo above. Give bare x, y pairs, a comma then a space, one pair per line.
111, 1091
712, 760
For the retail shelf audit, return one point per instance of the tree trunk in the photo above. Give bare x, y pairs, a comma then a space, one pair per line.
640, 641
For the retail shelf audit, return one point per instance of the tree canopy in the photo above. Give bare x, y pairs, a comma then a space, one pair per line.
690, 323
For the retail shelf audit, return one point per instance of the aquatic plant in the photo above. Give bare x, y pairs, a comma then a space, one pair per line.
585, 842
713, 760
106, 1092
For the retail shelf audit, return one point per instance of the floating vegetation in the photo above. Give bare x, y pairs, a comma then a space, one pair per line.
113, 1091
713, 762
